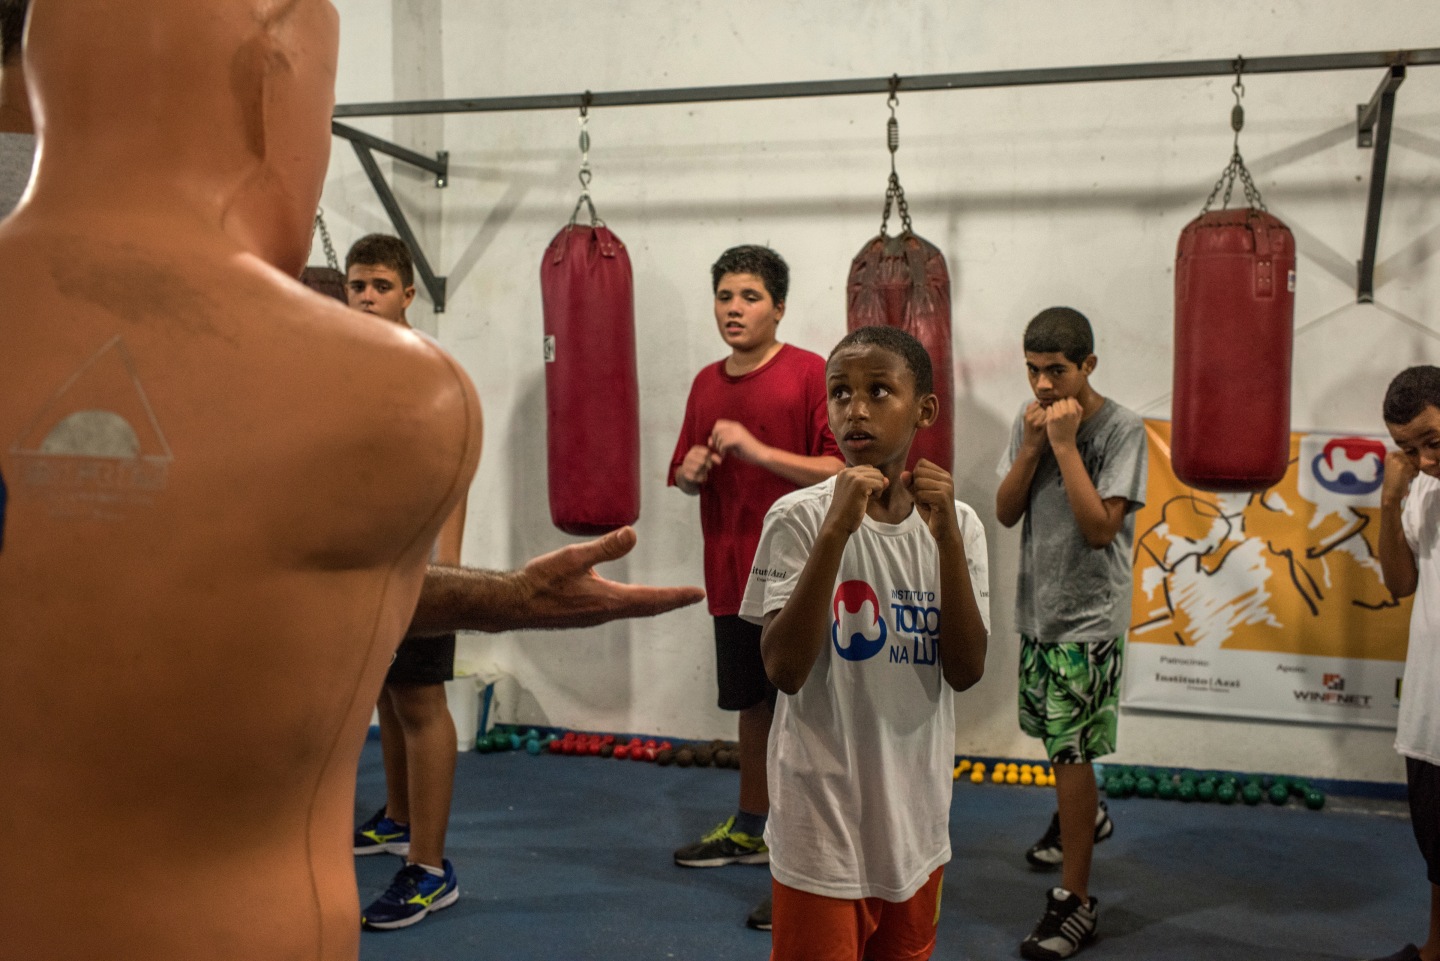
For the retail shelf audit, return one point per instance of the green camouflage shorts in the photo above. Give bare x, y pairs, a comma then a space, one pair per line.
1070, 696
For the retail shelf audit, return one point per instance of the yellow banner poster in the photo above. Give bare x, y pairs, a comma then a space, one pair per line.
1267, 604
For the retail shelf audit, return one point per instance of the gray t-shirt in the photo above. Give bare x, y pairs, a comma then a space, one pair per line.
17, 156
1068, 590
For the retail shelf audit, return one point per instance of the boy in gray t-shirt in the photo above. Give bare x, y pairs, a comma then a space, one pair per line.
1075, 472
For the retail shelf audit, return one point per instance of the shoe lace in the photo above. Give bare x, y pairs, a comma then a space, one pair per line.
722, 830
406, 883
1050, 924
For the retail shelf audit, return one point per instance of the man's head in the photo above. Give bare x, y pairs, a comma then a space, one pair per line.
750, 285
1059, 355
879, 385
232, 121
12, 30
1412, 414
380, 277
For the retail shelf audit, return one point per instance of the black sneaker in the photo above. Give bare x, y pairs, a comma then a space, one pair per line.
1066, 927
759, 919
1046, 854
723, 846
413, 895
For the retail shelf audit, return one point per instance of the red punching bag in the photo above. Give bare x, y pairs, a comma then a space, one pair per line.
592, 396
330, 279
903, 282
1234, 330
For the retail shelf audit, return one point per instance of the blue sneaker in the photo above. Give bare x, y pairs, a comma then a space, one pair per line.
414, 893
380, 835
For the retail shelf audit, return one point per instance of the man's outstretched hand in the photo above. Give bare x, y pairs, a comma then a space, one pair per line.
561, 588
554, 591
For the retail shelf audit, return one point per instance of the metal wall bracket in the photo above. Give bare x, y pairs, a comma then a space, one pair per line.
365, 144
1372, 131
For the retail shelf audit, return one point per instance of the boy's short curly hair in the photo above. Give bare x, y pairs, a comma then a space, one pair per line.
899, 343
760, 261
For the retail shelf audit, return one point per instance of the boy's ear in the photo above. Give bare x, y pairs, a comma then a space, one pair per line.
1087, 366
929, 410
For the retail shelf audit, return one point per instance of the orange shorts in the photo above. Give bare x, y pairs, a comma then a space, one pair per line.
812, 927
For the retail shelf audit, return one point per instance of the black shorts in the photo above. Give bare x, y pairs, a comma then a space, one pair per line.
423, 660
1423, 780
738, 665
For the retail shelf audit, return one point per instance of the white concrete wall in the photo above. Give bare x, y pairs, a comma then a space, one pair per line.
1038, 196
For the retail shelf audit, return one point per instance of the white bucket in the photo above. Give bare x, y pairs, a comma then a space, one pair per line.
462, 696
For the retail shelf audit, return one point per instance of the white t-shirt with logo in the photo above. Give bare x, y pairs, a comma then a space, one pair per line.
1417, 732
860, 758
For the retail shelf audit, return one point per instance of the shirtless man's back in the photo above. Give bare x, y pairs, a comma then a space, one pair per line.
220, 491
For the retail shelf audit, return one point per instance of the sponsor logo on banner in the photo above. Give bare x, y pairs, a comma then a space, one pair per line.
1341, 470
1190, 673
1333, 693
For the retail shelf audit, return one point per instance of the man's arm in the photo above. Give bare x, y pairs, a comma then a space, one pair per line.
731, 438
1397, 560
554, 591
1012, 498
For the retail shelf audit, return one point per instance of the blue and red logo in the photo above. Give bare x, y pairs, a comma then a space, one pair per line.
856, 624
1352, 466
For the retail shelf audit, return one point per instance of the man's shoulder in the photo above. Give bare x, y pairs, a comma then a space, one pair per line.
361, 383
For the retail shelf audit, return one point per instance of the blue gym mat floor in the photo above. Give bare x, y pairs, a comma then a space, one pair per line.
569, 859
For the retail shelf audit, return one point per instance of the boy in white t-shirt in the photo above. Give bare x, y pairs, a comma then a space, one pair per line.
850, 579
1409, 547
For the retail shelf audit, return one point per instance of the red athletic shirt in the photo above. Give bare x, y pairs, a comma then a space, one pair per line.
783, 405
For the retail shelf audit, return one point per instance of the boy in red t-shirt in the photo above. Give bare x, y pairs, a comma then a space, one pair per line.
755, 429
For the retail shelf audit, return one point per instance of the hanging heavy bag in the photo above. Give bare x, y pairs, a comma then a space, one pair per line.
592, 397
1234, 331
903, 282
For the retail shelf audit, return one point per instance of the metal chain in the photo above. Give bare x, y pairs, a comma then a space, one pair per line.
585, 143
1236, 169
585, 200
894, 193
330, 259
